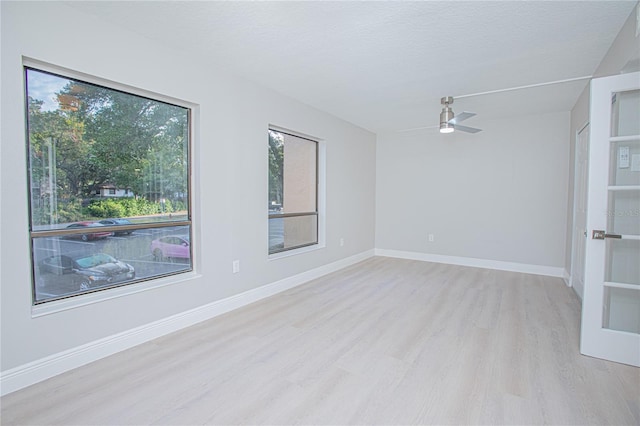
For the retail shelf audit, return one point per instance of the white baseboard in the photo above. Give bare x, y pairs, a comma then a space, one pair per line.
42, 369
566, 277
476, 263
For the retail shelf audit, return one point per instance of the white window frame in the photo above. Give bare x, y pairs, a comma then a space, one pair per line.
60, 305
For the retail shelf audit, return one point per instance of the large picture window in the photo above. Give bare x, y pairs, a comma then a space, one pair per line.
108, 186
293, 191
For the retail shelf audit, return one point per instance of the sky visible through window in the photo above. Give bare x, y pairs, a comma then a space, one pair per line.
44, 87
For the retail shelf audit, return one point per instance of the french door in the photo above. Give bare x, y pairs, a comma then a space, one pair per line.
611, 304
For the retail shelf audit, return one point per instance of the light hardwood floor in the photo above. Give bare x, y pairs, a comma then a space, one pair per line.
386, 341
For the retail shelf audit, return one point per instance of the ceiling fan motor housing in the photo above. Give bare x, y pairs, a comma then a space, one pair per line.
447, 113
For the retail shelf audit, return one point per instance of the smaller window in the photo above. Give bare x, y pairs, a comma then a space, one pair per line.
293, 191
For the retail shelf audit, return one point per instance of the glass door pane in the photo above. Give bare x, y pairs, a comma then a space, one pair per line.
621, 298
625, 161
622, 265
624, 113
621, 309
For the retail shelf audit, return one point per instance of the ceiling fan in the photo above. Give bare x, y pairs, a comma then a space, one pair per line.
449, 121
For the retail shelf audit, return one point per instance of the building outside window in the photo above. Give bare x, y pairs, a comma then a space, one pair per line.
84, 137
293, 191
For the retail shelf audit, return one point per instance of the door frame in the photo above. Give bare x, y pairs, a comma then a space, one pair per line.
576, 188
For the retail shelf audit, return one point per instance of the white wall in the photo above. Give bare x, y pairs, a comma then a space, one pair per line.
230, 173
497, 195
622, 56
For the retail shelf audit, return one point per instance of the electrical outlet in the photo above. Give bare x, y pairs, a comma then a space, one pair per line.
341, 242
431, 238
236, 266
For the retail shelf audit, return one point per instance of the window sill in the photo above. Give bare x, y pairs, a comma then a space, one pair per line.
101, 296
296, 252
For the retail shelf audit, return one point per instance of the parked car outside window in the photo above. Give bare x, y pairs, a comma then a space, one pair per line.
112, 222
172, 246
83, 272
89, 236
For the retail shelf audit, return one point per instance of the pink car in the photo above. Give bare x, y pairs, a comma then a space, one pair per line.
171, 246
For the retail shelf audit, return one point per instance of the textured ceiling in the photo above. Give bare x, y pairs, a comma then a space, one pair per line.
385, 65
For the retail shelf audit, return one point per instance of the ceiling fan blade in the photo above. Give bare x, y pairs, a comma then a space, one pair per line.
461, 117
416, 128
466, 129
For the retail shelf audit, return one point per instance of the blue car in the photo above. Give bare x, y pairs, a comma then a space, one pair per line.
116, 222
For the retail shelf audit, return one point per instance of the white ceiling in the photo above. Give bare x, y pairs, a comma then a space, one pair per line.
385, 65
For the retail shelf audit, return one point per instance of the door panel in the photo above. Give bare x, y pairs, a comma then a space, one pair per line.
611, 303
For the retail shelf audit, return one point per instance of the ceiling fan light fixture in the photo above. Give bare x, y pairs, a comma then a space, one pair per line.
446, 128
